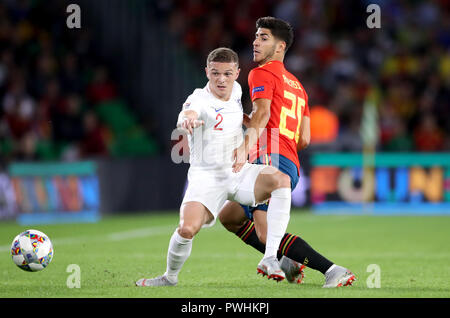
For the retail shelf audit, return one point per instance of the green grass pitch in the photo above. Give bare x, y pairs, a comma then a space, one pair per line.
412, 253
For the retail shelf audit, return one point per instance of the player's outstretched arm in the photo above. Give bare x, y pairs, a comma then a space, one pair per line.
258, 121
305, 134
188, 120
246, 120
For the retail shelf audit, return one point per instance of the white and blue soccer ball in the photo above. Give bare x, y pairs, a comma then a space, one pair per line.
32, 250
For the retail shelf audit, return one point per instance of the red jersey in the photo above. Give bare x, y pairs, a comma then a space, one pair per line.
289, 105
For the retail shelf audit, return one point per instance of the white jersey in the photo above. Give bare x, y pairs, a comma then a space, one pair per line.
212, 144
210, 176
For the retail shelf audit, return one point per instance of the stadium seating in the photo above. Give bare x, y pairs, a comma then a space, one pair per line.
42, 75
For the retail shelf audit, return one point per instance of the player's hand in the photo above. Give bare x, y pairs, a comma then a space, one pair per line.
239, 159
246, 120
189, 124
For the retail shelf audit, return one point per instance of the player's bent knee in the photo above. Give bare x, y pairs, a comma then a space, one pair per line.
232, 225
225, 222
284, 181
188, 230
232, 216
279, 180
223, 218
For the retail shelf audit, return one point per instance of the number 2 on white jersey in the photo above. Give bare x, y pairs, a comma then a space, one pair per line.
295, 112
219, 118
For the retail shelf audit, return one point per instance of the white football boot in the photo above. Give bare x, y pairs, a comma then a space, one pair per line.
162, 280
292, 269
271, 267
338, 276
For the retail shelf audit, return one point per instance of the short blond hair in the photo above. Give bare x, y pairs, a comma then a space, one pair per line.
223, 55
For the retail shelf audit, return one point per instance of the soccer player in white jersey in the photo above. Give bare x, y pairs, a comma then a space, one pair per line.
212, 117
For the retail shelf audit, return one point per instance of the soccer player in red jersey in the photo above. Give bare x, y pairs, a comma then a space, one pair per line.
277, 128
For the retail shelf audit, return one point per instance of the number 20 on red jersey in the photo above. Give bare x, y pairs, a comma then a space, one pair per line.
294, 109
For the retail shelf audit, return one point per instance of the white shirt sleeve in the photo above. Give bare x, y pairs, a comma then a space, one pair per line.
237, 90
237, 93
194, 102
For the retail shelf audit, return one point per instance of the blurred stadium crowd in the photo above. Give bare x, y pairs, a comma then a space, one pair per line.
339, 60
57, 101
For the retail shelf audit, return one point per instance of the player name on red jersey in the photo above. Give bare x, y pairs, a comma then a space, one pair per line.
291, 83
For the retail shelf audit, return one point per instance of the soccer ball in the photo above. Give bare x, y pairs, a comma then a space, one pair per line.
32, 250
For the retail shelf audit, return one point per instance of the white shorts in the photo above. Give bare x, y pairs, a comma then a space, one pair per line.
214, 188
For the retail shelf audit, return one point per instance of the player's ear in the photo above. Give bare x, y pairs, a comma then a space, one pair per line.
207, 72
281, 47
237, 73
